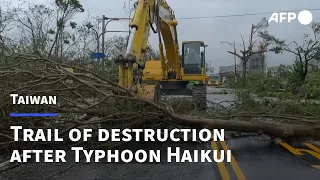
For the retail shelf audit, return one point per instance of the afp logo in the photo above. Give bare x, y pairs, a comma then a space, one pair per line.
304, 17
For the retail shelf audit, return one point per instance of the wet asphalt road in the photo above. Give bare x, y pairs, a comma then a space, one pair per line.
263, 159
119, 171
257, 158
254, 158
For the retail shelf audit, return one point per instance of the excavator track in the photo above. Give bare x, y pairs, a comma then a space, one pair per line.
199, 95
157, 93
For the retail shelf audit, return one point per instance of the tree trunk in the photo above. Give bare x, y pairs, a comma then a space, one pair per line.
263, 59
305, 71
244, 72
276, 130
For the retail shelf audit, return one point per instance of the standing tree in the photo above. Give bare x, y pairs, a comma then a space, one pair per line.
262, 48
308, 50
5, 22
209, 68
66, 9
35, 25
247, 50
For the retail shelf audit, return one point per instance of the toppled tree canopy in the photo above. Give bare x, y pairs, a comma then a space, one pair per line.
86, 100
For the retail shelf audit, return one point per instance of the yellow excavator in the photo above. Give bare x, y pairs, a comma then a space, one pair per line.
169, 75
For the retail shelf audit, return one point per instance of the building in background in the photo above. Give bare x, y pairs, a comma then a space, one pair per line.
256, 63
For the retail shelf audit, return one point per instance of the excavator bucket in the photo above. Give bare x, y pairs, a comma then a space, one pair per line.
149, 92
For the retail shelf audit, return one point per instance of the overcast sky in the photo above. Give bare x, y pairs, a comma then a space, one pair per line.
214, 30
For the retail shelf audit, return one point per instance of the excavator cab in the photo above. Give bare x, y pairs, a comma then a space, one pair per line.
193, 57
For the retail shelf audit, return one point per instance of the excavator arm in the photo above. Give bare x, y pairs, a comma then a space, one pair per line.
175, 71
158, 16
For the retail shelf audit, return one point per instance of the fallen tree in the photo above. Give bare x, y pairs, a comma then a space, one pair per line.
87, 100
260, 127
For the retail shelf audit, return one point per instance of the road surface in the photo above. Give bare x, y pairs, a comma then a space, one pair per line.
256, 157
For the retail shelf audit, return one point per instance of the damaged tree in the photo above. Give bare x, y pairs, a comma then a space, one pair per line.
248, 50
306, 51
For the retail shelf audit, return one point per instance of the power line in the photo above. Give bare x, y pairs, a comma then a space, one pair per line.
239, 15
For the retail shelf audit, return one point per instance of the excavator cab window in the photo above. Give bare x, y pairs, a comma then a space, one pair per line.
193, 57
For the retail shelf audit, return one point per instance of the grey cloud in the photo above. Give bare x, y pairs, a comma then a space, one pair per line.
214, 30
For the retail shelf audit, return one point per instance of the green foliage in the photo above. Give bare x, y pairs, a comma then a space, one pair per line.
263, 24
73, 25
51, 31
284, 83
304, 52
66, 41
70, 4
262, 83
312, 86
271, 39
231, 80
247, 103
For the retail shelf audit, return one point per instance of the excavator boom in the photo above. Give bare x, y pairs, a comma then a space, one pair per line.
158, 16
172, 71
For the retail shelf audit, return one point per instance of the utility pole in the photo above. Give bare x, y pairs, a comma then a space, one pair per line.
103, 30
205, 46
235, 62
210, 68
105, 22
